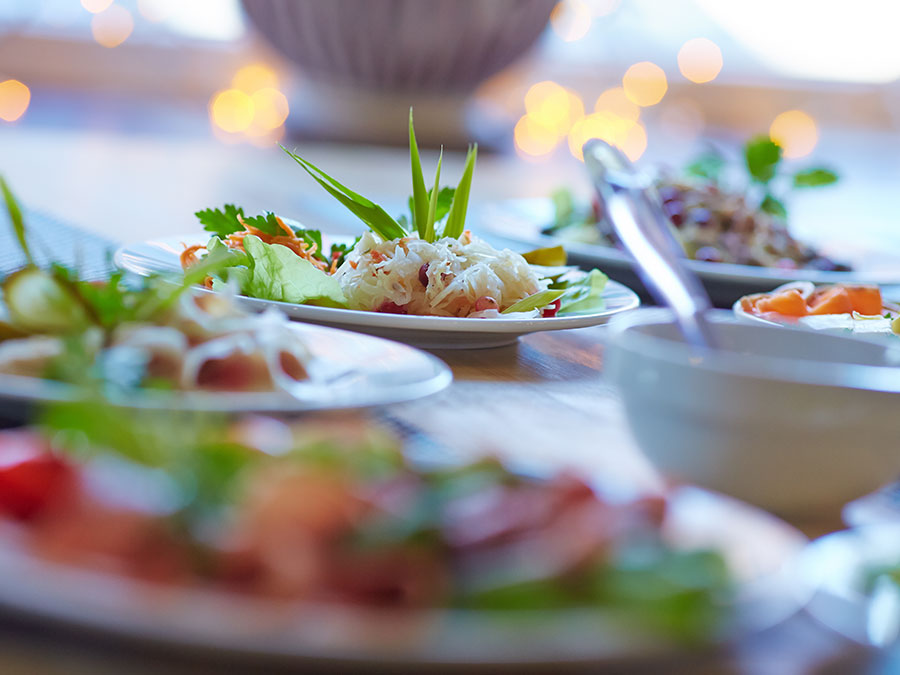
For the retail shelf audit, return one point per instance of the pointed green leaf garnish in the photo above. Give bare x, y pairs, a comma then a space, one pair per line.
370, 213
15, 217
535, 301
419, 196
432, 207
456, 221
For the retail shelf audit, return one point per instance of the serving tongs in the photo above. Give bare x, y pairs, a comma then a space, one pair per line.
636, 214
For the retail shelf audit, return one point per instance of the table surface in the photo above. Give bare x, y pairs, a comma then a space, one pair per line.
126, 187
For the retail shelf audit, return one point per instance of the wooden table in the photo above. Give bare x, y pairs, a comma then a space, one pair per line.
543, 400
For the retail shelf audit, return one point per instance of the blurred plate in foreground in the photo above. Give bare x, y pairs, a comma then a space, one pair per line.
759, 549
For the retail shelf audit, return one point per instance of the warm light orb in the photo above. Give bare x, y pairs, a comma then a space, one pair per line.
645, 83
14, 100
553, 107
231, 110
615, 101
96, 6
270, 109
571, 19
795, 131
625, 134
254, 77
533, 138
700, 60
112, 27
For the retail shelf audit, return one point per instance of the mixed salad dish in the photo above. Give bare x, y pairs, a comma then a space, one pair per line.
320, 512
159, 335
713, 216
855, 307
424, 263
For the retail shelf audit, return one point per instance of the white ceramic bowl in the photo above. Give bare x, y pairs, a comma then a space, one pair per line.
795, 421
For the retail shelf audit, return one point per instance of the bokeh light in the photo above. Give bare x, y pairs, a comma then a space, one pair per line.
571, 19
112, 26
14, 100
553, 106
252, 109
645, 83
795, 131
254, 77
700, 60
533, 138
625, 134
96, 6
615, 101
232, 110
270, 109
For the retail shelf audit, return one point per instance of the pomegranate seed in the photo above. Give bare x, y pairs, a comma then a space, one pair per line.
486, 302
388, 307
551, 309
423, 274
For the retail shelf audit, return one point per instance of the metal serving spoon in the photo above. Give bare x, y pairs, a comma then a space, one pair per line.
636, 215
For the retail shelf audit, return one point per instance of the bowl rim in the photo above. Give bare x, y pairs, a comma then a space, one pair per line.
625, 335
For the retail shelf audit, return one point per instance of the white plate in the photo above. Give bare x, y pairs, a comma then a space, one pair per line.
840, 324
759, 548
835, 567
436, 332
348, 370
522, 220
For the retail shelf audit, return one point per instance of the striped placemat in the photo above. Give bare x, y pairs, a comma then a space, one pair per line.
52, 240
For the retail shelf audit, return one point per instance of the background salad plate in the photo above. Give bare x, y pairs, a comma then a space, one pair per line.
519, 222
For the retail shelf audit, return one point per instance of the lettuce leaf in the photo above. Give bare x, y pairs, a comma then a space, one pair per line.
583, 295
277, 273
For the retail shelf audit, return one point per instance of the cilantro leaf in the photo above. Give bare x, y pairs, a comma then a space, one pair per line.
221, 222
266, 223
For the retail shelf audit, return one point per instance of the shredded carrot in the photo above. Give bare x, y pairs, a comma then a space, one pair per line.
189, 255
289, 240
208, 282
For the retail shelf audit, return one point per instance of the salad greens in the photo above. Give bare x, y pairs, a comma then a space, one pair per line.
275, 273
762, 159
56, 300
266, 270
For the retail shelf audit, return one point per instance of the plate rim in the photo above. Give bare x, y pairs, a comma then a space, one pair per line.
34, 390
